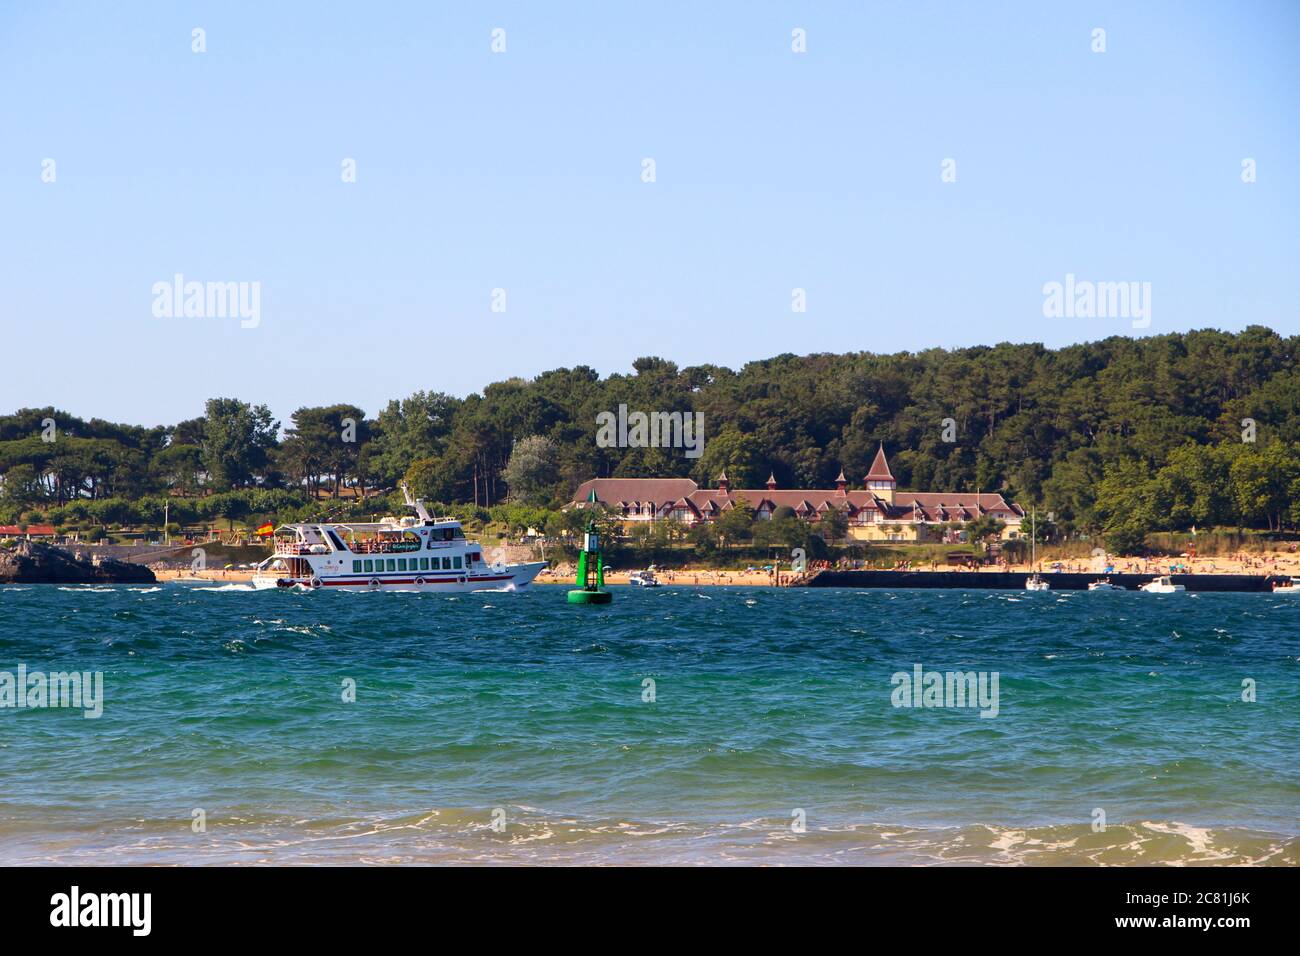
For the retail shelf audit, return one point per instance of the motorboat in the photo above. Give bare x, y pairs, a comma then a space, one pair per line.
1162, 585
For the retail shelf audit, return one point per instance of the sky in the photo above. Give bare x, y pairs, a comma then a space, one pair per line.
524, 171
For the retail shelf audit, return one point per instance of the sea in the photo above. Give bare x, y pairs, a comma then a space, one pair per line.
675, 726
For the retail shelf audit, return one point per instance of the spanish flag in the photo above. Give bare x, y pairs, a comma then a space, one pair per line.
266, 529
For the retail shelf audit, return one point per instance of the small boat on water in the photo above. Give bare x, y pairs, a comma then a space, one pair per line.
1035, 581
643, 579
415, 552
1105, 585
1289, 586
1162, 585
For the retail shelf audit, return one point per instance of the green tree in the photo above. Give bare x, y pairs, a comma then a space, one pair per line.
704, 538
430, 479
736, 523
324, 444
1195, 488
1265, 482
178, 467
531, 473
1127, 505
237, 441
739, 455
983, 528
833, 526
410, 430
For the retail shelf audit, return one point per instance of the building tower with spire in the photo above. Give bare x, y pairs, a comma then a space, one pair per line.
880, 480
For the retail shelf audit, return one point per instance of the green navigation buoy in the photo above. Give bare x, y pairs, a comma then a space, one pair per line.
590, 581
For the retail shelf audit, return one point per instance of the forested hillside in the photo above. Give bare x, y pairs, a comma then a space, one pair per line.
1126, 435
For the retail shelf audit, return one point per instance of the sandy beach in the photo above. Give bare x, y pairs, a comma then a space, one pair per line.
703, 577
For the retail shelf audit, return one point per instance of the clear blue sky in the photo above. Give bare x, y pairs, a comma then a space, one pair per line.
522, 170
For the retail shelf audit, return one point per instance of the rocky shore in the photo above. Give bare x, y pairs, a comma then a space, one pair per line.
32, 562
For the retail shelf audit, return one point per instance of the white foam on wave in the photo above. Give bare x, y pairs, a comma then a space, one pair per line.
1199, 839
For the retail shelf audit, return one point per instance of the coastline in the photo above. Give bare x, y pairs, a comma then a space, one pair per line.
1246, 566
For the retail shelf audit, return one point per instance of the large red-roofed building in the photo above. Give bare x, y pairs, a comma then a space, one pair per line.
876, 512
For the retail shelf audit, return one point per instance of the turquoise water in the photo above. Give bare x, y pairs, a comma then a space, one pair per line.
521, 709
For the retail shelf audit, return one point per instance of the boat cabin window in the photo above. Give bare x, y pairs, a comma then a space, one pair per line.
445, 534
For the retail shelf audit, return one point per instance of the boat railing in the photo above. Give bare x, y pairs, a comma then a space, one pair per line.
382, 547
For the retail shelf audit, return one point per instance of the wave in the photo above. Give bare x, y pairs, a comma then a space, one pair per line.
523, 834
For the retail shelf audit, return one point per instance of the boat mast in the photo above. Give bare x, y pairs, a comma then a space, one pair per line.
416, 503
1033, 537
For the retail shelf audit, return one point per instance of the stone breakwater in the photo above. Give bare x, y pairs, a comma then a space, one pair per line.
35, 563
1015, 580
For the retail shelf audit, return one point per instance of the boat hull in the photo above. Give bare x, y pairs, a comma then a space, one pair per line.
513, 577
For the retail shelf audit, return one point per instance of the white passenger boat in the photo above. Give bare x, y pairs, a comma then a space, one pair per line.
1035, 582
1290, 586
1162, 585
417, 552
643, 579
